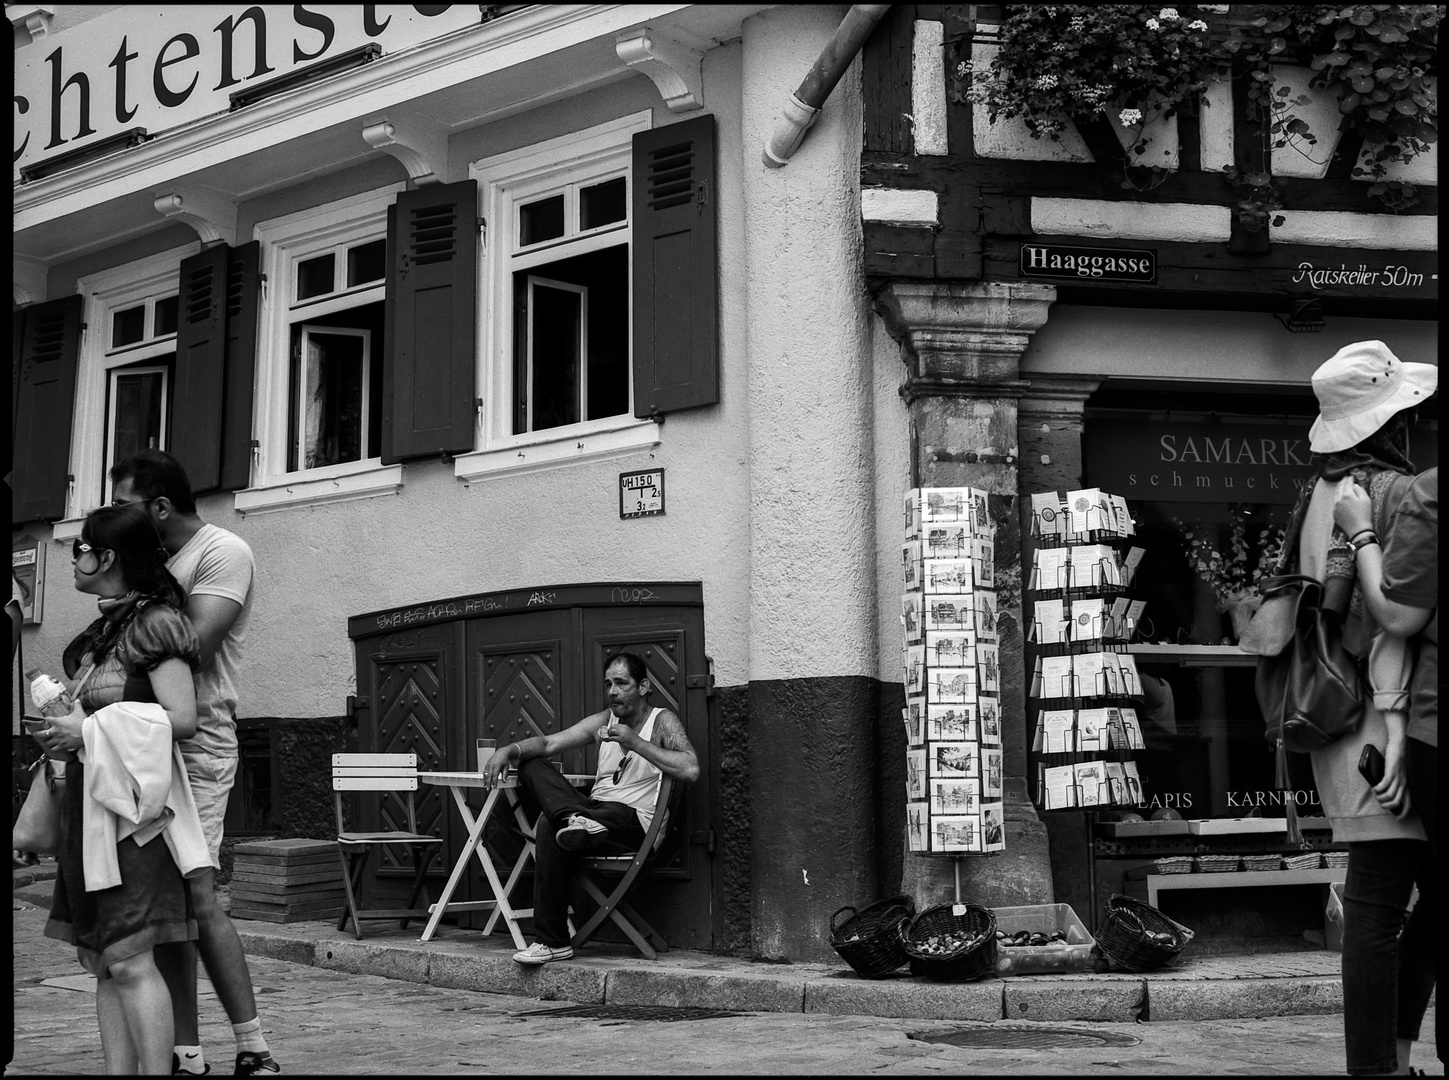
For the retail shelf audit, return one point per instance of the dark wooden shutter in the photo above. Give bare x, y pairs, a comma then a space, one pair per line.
243, 295
430, 344
45, 408
198, 394
676, 274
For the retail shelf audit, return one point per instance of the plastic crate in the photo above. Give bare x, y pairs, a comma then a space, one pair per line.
1075, 955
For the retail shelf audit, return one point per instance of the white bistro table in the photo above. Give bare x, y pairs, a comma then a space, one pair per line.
458, 783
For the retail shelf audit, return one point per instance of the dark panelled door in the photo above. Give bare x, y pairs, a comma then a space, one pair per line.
411, 681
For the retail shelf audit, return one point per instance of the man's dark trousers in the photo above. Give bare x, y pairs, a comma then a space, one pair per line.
555, 870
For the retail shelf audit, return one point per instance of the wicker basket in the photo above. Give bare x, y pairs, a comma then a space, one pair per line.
1311, 860
869, 940
1336, 860
1262, 862
963, 965
1125, 935
1218, 864
1173, 864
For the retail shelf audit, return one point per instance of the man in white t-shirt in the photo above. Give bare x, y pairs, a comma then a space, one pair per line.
216, 570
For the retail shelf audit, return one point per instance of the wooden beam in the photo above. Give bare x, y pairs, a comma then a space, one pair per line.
886, 82
899, 250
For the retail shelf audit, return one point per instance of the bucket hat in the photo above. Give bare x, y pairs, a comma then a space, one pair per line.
1359, 388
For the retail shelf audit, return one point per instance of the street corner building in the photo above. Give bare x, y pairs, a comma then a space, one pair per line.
511, 336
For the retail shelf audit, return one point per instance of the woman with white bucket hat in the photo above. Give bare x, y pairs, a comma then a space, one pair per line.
1366, 397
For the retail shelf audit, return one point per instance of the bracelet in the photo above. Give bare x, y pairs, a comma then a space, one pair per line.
1357, 544
1356, 535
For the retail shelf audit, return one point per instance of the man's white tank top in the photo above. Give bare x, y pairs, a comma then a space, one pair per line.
638, 784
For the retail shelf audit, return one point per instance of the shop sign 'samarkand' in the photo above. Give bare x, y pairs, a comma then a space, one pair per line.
159, 67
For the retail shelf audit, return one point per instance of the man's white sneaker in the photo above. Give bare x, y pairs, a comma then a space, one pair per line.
539, 953
581, 833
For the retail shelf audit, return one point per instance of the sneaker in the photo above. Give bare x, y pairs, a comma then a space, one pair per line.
539, 953
581, 834
249, 1063
177, 1070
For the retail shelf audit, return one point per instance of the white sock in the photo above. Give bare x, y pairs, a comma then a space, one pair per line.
191, 1059
249, 1036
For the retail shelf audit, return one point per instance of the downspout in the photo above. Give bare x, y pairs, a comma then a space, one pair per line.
803, 106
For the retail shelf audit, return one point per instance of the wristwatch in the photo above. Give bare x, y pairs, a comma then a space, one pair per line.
1360, 540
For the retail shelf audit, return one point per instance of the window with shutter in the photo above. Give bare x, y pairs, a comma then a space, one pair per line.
320, 366
44, 408
429, 365
676, 354
557, 337
196, 414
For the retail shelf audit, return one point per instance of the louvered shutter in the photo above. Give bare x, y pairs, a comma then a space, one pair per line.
430, 344
243, 294
198, 394
676, 274
45, 408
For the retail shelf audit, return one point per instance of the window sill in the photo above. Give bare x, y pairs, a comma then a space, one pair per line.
553, 453
339, 483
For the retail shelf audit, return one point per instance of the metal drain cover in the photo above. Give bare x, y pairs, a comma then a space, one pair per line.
663, 1013
1025, 1038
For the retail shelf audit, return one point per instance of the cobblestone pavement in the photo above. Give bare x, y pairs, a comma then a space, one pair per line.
326, 1022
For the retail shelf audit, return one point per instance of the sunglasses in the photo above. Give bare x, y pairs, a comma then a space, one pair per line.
135, 502
79, 548
623, 763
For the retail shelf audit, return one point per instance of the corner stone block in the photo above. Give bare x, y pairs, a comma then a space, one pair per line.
1218, 999
292, 950
909, 997
635, 986
361, 958
1044, 999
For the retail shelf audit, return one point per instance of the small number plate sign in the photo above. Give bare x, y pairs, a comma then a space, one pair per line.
641, 494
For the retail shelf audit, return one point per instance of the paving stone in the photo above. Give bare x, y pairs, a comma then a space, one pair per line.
559, 981
906, 996
1048, 999
744, 993
1222, 999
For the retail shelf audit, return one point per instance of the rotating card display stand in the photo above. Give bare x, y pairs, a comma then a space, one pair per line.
952, 676
1084, 684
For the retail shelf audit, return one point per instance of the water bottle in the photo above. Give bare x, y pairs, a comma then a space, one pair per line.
49, 694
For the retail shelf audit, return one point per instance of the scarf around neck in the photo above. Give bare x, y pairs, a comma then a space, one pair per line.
1381, 450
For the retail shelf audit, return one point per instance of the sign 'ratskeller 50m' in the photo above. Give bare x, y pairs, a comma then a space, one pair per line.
1090, 263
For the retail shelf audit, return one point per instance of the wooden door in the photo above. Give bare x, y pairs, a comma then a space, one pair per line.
411, 682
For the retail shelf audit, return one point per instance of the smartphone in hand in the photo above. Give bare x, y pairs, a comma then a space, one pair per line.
1371, 764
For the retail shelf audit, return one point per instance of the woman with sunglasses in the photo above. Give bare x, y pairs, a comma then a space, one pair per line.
140, 649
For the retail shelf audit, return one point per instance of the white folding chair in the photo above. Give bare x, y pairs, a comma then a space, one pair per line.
380, 773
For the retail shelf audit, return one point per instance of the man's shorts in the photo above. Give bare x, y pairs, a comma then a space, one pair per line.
211, 776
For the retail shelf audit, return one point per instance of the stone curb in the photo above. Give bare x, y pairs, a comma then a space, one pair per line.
724, 983
728, 983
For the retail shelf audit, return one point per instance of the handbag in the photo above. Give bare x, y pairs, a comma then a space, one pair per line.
37, 828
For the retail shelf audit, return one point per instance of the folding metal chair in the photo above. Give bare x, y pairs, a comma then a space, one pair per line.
379, 772
593, 869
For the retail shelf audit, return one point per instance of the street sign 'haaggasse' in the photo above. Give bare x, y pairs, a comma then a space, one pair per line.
1099, 264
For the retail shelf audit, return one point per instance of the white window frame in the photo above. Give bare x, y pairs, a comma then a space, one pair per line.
287, 241
106, 292
113, 374
582, 345
505, 182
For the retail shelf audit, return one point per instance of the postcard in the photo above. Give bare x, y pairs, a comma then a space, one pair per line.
952, 723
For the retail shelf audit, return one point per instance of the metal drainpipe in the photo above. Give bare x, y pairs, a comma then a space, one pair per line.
803, 106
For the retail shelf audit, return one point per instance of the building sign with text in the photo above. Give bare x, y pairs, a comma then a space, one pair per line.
1190, 462
163, 66
1090, 263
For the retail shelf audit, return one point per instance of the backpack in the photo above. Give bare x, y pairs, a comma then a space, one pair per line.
1309, 687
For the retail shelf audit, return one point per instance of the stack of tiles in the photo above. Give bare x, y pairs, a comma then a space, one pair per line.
952, 714
287, 881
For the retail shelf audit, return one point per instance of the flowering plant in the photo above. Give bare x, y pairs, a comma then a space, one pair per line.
1235, 575
1070, 62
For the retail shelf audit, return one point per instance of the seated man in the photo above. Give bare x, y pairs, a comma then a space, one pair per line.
635, 744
